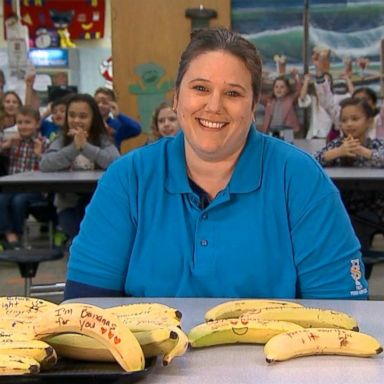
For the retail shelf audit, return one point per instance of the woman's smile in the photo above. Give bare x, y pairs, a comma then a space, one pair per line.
211, 124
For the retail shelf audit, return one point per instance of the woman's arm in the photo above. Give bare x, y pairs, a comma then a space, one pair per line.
328, 264
100, 254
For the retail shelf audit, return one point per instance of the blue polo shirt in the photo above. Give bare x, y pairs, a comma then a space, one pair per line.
278, 229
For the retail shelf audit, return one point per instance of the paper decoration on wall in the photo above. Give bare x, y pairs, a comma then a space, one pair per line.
87, 22
106, 72
150, 91
61, 21
17, 46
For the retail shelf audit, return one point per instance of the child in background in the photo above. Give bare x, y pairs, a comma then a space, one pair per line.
377, 128
356, 149
82, 144
11, 102
321, 121
24, 151
164, 122
2, 84
119, 125
51, 126
280, 109
329, 95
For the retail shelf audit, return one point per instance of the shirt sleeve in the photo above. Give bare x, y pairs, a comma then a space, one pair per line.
58, 158
102, 156
74, 290
327, 99
124, 127
319, 156
100, 254
325, 248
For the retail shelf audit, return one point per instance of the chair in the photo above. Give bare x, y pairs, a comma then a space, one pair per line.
133, 142
45, 213
365, 230
28, 261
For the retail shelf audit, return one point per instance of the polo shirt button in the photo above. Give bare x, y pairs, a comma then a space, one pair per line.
205, 216
204, 243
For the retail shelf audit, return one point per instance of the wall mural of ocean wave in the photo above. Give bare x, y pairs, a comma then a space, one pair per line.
351, 29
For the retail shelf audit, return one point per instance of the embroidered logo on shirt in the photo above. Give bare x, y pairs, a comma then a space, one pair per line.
356, 275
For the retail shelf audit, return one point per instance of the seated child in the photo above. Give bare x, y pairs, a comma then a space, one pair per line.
24, 151
51, 125
164, 122
82, 144
356, 148
119, 125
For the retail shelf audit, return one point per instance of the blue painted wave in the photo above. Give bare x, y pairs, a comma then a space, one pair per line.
338, 17
289, 41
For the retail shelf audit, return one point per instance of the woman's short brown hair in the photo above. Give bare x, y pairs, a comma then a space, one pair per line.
216, 39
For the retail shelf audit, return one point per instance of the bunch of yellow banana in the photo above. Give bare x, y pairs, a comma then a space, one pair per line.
17, 326
18, 365
82, 347
168, 342
235, 308
17, 313
145, 310
307, 317
40, 351
230, 331
7, 336
32, 354
147, 323
95, 322
23, 308
320, 341
179, 348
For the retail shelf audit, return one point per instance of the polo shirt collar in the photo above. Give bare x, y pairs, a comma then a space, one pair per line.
246, 177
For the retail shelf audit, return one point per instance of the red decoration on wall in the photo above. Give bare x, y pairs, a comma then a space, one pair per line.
87, 22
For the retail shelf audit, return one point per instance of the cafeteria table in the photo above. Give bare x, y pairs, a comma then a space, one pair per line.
64, 181
346, 177
242, 364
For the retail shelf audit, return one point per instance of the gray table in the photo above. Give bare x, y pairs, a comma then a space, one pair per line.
241, 364
66, 181
310, 145
346, 177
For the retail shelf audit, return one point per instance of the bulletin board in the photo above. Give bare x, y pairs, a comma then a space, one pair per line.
87, 21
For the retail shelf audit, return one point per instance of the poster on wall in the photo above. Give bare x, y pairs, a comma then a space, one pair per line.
349, 31
82, 19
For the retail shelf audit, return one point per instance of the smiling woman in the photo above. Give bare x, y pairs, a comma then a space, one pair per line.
219, 210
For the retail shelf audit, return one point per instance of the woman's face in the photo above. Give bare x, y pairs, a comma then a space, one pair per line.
215, 105
280, 89
354, 122
79, 116
167, 122
11, 104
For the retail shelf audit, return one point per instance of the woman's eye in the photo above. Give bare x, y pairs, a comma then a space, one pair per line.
200, 88
233, 93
